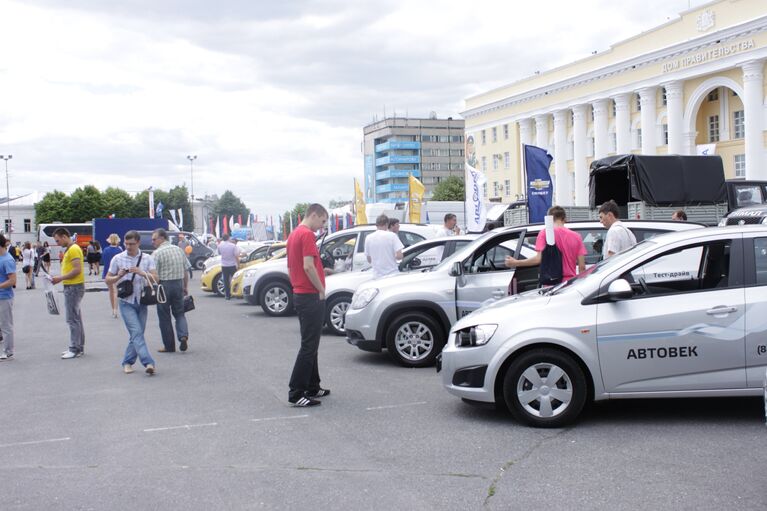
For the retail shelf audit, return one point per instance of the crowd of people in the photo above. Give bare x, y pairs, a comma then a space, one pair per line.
128, 274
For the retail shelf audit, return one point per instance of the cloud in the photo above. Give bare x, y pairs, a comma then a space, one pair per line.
271, 96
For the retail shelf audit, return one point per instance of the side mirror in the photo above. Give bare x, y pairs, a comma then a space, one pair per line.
619, 289
457, 269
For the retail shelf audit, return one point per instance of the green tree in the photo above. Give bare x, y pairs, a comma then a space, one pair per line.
229, 204
178, 198
55, 206
140, 208
450, 189
87, 203
117, 202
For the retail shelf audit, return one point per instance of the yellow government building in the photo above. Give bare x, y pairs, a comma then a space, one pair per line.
694, 83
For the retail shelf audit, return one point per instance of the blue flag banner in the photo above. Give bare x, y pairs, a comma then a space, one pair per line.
539, 187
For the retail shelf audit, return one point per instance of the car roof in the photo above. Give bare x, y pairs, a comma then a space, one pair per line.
670, 225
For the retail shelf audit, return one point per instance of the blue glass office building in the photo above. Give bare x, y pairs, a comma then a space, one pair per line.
394, 148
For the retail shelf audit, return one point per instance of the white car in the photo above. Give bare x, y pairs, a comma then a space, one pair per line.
268, 284
422, 256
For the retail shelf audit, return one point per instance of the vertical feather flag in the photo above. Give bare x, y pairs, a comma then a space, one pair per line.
239, 220
416, 191
359, 204
226, 225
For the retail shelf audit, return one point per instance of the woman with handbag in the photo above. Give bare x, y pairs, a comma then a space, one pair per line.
131, 272
27, 263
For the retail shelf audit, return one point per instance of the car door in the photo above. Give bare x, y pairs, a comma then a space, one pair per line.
424, 256
755, 251
683, 329
485, 275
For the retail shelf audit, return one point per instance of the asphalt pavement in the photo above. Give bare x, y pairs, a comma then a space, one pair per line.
213, 430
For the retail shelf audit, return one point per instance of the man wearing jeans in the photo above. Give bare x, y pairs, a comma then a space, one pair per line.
73, 278
172, 266
131, 265
308, 280
7, 281
230, 261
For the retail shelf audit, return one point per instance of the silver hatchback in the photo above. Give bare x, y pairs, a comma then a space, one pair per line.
680, 315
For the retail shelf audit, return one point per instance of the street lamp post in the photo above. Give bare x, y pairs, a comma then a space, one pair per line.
191, 172
7, 191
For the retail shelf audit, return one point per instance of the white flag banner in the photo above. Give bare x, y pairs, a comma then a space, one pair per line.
151, 202
476, 216
173, 216
706, 149
231, 223
180, 218
218, 227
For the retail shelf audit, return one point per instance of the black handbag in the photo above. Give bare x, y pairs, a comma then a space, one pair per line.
188, 303
153, 293
125, 288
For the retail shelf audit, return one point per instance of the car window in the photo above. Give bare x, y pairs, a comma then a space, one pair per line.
258, 253
409, 238
760, 257
492, 255
697, 267
748, 195
424, 257
340, 249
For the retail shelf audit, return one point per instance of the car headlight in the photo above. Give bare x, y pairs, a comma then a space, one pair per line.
723, 222
478, 335
361, 299
764, 220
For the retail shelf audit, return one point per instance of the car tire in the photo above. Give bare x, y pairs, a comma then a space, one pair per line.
414, 339
199, 264
277, 299
218, 285
335, 310
541, 403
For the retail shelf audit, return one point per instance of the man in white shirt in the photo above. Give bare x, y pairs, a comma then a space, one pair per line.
383, 248
450, 227
619, 237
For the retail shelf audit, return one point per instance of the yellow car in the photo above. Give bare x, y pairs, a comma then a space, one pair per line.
212, 280
236, 288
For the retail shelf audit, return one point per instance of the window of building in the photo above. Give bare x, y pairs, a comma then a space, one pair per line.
495, 134
7, 225
495, 189
507, 187
739, 124
570, 150
456, 138
506, 160
590, 146
592, 113
496, 159
27, 225
484, 164
444, 139
505, 131
484, 137
614, 108
613, 142
664, 99
713, 128
665, 134
636, 139
713, 95
484, 189
740, 165
639, 103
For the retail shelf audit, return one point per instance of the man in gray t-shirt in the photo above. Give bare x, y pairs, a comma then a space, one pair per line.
619, 237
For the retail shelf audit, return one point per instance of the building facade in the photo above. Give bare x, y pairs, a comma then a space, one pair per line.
394, 148
22, 224
695, 82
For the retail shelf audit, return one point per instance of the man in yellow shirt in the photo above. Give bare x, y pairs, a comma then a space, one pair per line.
73, 278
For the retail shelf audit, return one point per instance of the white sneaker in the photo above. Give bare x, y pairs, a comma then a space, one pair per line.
5, 356
68, 354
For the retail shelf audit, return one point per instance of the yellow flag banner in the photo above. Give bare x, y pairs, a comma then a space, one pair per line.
359, 205
417, 189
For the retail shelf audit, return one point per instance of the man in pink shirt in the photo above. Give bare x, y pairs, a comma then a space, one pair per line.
569, 243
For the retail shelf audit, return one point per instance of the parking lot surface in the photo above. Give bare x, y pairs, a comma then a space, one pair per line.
213, 430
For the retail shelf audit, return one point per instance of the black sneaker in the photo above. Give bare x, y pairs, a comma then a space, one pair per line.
304, 401
183, 344
319, 393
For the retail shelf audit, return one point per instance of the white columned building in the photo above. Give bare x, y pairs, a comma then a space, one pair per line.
675, 117
647, 97
601, 143
579, 155
563, 193
542, 131
753, 103
622, 122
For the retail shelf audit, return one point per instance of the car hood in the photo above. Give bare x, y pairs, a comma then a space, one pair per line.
412, 278
347, 280
499, 312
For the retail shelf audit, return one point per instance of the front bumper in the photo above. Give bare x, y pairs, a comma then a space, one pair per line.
464, 373
236, 288
356, 338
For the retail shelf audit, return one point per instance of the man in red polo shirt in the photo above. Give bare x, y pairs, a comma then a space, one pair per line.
308, 280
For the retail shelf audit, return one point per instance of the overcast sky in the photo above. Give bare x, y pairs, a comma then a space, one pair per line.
271, 96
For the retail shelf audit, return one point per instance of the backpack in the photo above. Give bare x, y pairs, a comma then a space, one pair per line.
550, 273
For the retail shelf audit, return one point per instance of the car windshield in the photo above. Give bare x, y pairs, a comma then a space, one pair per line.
605, 265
